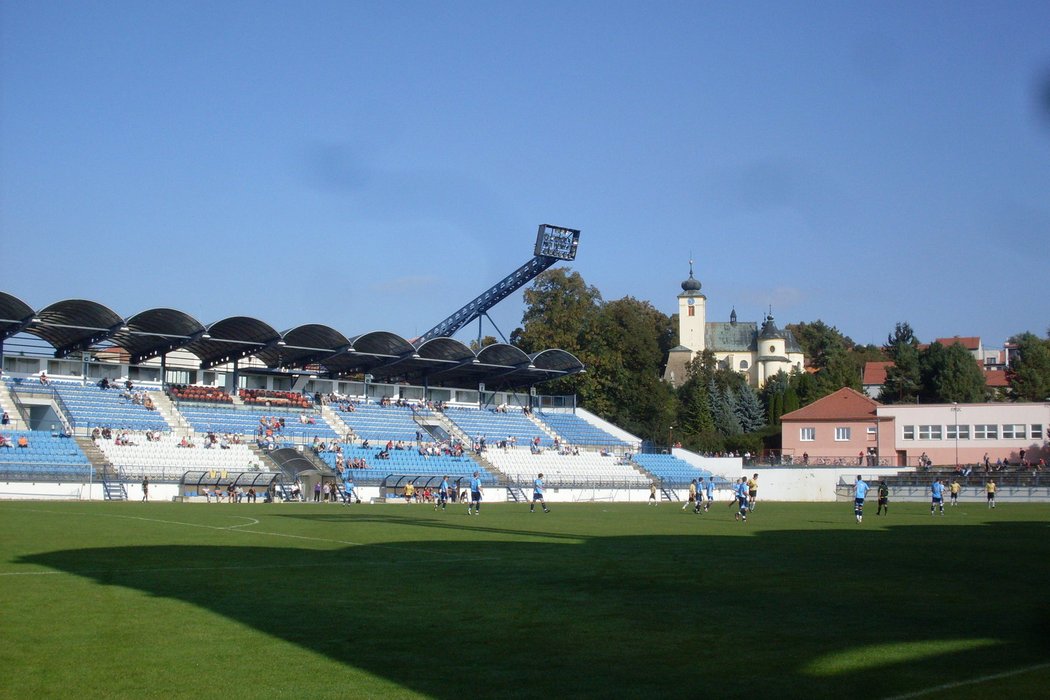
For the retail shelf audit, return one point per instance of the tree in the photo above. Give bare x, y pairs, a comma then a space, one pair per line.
951, 375
819, 341
723, 401
1029, 371
903, 379
749, 411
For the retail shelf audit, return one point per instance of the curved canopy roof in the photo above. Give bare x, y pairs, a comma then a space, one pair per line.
77, 324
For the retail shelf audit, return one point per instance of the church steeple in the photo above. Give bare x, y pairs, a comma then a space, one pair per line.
692, 284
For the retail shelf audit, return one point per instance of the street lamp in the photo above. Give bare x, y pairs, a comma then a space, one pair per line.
955, 410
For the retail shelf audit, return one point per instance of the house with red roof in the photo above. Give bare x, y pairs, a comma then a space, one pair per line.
847, 427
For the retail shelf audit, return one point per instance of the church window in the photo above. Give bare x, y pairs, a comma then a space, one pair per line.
772, 348
692, 311
743, 364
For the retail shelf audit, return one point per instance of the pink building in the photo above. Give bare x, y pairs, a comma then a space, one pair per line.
837, 428
842, 428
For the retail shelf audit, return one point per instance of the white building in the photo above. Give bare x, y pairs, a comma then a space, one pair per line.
757, 353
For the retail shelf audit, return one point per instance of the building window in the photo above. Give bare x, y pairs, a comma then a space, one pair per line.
842, 434
985, 432
958, 432
909, 432
807, 434
692, 311
772, 348
1037, 431
930, 432
873, 431
743, 365
1015, 432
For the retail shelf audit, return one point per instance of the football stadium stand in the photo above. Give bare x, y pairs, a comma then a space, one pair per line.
669, 469
375, 422
576, 431
521, 465
164, 459
407, 461
496, 425
299, 426
88, 407
45, 456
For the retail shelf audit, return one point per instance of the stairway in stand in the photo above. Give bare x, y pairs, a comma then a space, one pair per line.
113, 488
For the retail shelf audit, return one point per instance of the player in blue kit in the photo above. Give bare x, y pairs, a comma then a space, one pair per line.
348, 490
709, 491
442, 495
741, 498
860, 491
537, 495
475, 495
937, 495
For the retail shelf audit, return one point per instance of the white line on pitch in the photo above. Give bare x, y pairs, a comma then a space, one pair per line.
971, 681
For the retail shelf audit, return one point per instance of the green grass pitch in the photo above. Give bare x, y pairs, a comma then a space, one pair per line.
592, 600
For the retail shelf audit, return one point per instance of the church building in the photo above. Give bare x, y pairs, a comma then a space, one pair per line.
757, 353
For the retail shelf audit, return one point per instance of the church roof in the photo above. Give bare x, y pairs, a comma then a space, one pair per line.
731, 337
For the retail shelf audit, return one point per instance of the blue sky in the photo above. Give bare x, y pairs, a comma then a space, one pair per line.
376, 165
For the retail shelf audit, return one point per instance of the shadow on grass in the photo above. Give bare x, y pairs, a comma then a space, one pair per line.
800, 614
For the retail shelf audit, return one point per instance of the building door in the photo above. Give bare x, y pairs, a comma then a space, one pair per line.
902, 458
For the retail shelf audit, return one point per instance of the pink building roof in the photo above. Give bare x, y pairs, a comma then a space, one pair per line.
843, 405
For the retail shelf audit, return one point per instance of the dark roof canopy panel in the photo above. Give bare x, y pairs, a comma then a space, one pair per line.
155, 332
304, 345
78, 324
382, 343
503, 354
75, 324
230, 339
15, 315
557, 361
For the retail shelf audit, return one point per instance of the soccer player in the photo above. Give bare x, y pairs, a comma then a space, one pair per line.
937, 495
989, 488
537, 495
652, 494
741, 499
475, 495
752, 492
709, 491
692, 495
860, 492
884, 498
348, 491
954, 490
442, 496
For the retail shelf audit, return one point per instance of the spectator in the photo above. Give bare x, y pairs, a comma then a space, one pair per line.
43, 378
23, 441
6, 420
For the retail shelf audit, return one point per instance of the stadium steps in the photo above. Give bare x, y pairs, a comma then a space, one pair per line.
667, 494
332, 418
7, 402
102, 466
166, 409
113, 490
515, 494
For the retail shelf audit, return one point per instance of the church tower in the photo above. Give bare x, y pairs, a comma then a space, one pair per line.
692, 314
692, 326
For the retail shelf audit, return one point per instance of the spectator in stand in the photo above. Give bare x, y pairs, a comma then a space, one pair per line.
23, 441
4, 442
6, 420
43, 378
